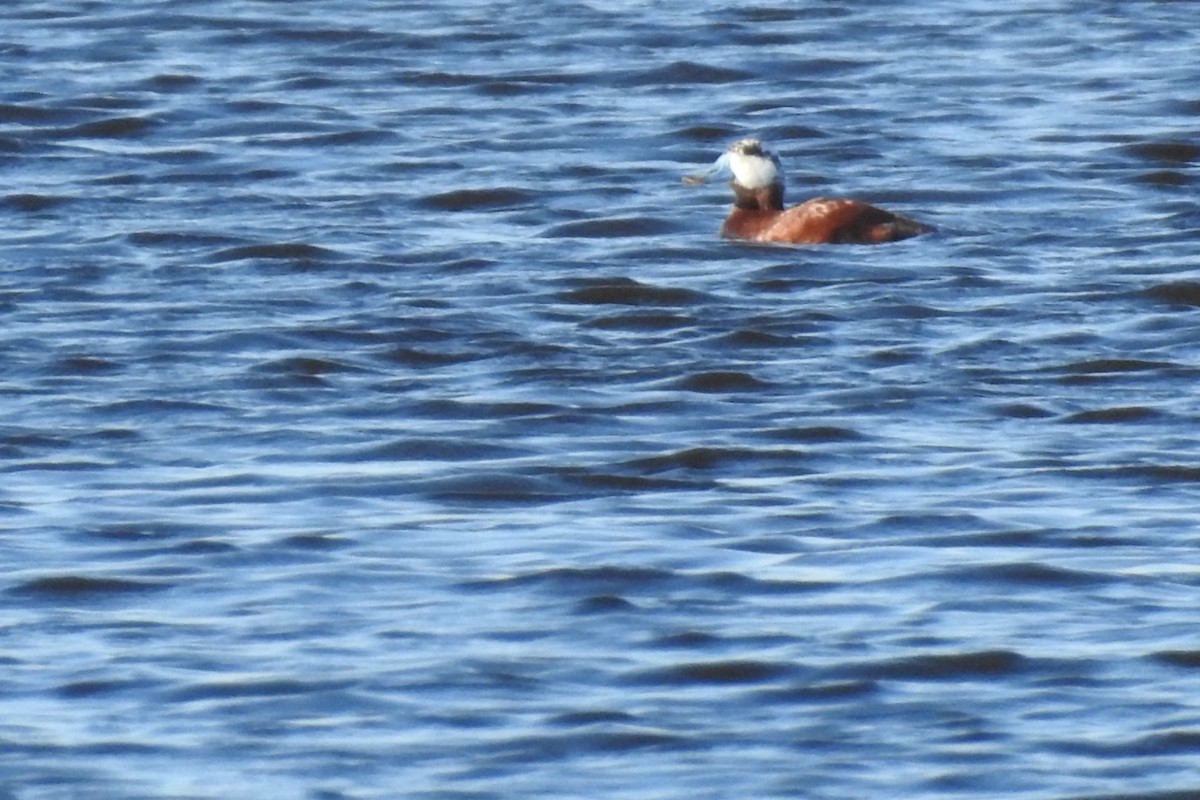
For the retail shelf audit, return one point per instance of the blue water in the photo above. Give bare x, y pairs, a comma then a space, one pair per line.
381, 417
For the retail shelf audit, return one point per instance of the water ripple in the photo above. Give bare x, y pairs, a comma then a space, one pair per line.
382, 415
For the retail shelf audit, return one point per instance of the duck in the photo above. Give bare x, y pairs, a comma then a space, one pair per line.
759, 215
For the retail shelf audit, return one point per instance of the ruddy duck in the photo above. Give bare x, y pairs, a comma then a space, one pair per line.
758, 213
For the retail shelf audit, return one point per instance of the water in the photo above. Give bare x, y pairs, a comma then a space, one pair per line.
382, 417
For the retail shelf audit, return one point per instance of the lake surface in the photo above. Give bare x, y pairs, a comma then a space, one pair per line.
381, 417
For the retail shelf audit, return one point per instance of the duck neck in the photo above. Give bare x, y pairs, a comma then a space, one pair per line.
767, 198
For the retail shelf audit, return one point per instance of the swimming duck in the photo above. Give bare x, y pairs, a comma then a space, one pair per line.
758, 213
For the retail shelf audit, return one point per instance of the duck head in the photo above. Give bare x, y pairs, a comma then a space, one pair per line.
757, 175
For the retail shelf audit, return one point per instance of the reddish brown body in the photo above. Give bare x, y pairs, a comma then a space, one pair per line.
758, 215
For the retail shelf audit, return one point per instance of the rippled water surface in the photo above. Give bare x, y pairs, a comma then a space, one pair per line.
380, 416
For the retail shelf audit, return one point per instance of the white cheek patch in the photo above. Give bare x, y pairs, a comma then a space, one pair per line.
754, 172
